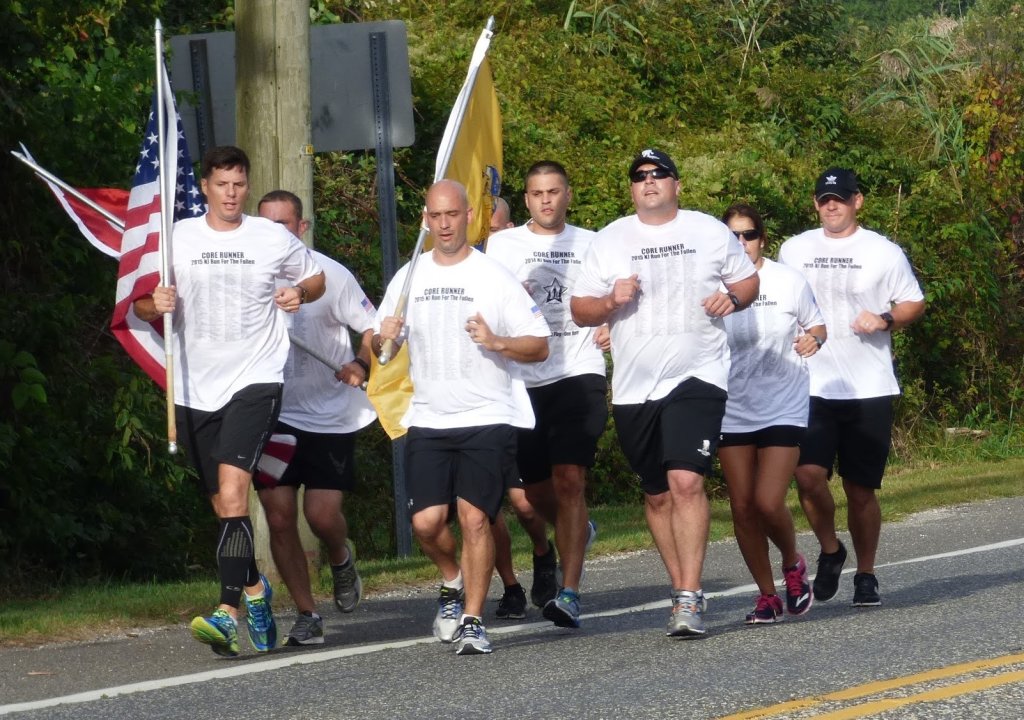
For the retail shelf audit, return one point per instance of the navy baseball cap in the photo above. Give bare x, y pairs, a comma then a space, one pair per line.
836, 181
650, 156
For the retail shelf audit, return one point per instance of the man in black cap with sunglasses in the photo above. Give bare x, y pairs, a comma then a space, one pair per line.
655, 278
865, 289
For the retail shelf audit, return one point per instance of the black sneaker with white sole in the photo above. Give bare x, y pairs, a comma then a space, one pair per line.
865, 590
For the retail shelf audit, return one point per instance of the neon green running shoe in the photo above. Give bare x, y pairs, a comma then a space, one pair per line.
219, 631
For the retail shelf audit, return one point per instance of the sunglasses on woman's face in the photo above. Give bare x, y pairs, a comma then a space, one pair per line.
748, 234
638, 176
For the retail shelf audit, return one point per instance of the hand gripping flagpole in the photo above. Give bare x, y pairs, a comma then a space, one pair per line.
166, 178
444, 156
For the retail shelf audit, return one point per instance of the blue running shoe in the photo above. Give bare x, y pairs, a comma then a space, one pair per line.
260, 619
219, 631
564, 609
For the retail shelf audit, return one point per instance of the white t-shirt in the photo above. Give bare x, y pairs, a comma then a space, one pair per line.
314, 400
768, 381
228, 333
665, 337
456, 382
862, 272
547, 265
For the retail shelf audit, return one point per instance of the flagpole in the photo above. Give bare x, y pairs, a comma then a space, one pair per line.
444, 156
166, 225
51, 178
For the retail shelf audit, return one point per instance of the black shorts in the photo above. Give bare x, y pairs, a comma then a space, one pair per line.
571, 416
677, 432
322, 461
854, 435
473, 463
233, 435
771, 436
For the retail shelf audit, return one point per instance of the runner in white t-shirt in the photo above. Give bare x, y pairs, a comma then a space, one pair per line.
231, 345
766, 416
322, 408
467, 323
568, 390
866, 289
655, 278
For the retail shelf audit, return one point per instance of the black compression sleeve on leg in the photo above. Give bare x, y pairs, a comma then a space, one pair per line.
252, 577
235, 553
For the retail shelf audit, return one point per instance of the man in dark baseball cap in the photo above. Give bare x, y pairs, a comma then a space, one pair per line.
838, 182
651, 156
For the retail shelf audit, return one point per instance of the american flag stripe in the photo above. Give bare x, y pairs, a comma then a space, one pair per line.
139, 269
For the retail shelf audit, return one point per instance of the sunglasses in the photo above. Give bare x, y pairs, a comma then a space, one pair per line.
657, 173
748, 234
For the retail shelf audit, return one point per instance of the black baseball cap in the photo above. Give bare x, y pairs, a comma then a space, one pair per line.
836, 181
650, 156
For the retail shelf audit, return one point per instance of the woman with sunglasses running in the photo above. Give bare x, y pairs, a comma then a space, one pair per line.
766, 416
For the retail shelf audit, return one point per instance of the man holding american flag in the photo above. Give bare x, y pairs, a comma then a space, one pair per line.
232, 345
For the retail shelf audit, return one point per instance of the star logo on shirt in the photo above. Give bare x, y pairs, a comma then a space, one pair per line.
555, 291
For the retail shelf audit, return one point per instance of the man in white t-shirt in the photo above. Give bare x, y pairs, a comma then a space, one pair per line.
468, 321
230, 347
568, 390
512, 604
866, 289
654, 277
322, 408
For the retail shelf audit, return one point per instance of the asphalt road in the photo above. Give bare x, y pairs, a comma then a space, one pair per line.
947, 643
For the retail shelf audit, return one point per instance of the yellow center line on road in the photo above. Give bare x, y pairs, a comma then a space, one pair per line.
942, 693
879, 686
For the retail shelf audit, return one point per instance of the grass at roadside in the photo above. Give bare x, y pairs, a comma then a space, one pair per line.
119, 609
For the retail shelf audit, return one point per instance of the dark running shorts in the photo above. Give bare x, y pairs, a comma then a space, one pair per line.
772, 436
677, 432
854, 435
233, 435
474, 463
322, 461
571, 416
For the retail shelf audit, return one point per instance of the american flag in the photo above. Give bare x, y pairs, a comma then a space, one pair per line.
139, 270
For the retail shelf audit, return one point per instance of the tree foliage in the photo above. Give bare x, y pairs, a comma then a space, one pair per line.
751, 97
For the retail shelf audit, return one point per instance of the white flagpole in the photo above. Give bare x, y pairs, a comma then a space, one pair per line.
52, 179
444, 156
166, 176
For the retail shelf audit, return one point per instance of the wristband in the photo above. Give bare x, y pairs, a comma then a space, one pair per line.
363, 364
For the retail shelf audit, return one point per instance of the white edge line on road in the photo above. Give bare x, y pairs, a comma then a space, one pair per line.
318, 657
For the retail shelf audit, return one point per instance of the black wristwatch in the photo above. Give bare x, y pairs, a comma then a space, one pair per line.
889, 320
735, 300
817, 339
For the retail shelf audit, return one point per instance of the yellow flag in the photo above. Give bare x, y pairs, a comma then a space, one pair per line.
476, 159
390, 390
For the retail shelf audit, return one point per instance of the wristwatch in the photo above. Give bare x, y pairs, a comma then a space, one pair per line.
817, 339
735, 300
889, 320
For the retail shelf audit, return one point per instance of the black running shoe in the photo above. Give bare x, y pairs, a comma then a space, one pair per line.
512, 605
545, 581
865, 590
830, 567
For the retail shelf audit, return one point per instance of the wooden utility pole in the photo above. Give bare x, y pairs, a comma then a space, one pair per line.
272, 97
273, 127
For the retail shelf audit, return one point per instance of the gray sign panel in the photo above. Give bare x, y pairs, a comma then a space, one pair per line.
341, 79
